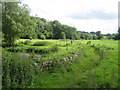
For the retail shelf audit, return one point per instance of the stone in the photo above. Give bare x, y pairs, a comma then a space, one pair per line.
50, 61
35, 64
76, 55
64, 59
71, 58
36, 59
67, 58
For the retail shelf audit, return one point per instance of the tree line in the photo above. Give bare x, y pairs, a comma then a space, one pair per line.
18, 23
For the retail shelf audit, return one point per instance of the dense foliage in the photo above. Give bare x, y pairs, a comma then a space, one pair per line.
16, 71
17, 23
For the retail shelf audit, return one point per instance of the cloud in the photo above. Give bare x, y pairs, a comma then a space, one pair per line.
105, 26
88, 15
95, 14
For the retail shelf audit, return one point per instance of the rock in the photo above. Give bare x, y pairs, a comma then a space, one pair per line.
64, 59
67, 58
76, 55
50, 61
36, 59
71, 58
35, 64
44, 63
47, 62
41, 69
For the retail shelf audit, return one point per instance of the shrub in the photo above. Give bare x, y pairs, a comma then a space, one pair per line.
18, 44
102, 51
4, 44
42, 50
43, 37
27, 42
89, 42
30, 49
41, 43
62, 35
54, 48
17, 72
15, 49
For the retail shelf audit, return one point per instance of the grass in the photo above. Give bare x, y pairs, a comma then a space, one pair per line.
17, 72
95, 67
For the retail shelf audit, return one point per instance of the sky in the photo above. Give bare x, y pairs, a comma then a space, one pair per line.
85, 15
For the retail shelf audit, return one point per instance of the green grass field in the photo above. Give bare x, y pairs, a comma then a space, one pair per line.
96, 65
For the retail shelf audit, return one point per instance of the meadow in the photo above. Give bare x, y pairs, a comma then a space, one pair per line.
61, 64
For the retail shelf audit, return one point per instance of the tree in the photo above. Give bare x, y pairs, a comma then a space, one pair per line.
116, 36
109, 36
42, 37
94, 37
70, 32
16, 22
77, 35
119, 33
99, 35
82, 36
62, 35
57, 29
10, 28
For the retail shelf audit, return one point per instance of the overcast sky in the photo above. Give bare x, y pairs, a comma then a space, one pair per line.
85, 15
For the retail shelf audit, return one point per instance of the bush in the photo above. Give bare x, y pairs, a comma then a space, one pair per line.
42, 50
15, 49
89, 42
30, 49
62, 35
3, 44
43, 37
41, 43
17, 44
102, 51
27, 42
17, 72
54, 48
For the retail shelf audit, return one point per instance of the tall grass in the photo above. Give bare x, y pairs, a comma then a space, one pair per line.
95, 67
17, 72
84, 72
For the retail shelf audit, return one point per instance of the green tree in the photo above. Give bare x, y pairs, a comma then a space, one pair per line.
57, 29
99, 35
70, 32
109, 36
116, 36
16, 22
62, 35
94, 37
77, 35
119, 33
43, 37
